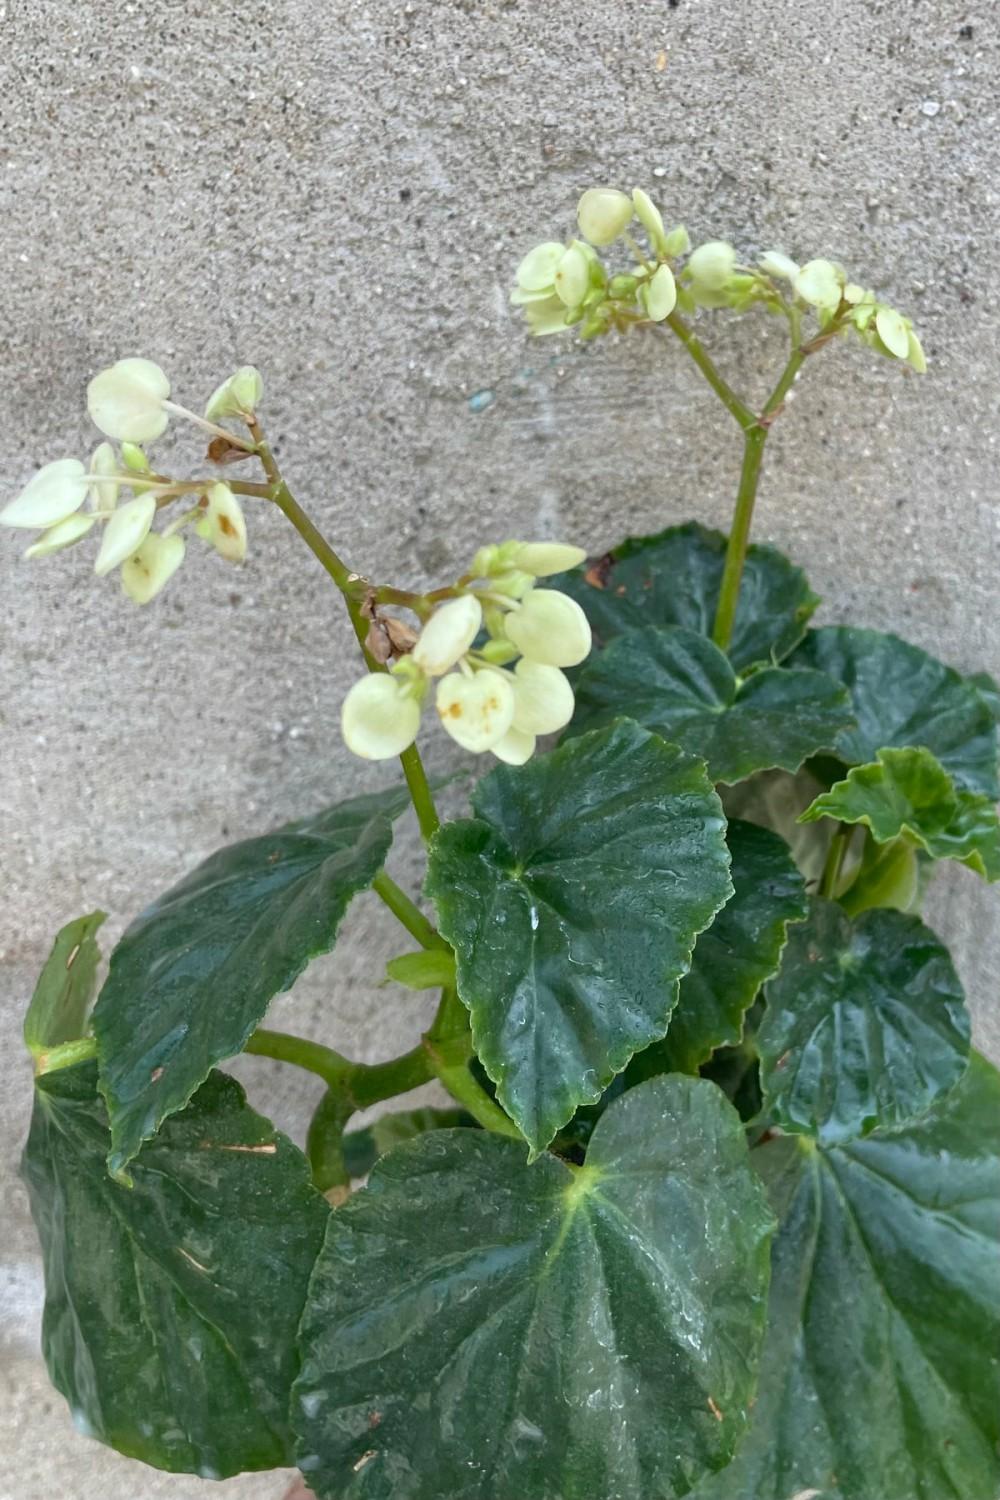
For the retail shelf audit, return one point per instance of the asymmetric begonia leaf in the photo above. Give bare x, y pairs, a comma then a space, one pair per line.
479, 1329
171, 1306
194, 974
680, 685
903, 697
572, 900
865, 1024
880, 1378
58, 1009
673, 578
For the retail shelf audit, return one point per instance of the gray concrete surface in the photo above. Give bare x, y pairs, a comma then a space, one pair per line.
338, 191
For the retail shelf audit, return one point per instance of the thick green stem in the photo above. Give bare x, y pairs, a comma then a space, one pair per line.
448, 1044
408, 912
65, 1055
739, 536
360, 1084
835, 861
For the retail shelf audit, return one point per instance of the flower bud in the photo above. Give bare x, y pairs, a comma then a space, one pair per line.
893, 332
476, 711
775, 263
499, 652
820, 284
660, 296
104, 493
515, 748
572, 278
125, 532
126, 400
55, 492
537, 271
677, 242
855, 294
551, 628
543, 698
151, 566
380, 717
223, 524
650, 218
622, 286
134, 458
238, 396
603, 214
513, 584
711, 265
447, 636
915, 354
542, 559
63, 534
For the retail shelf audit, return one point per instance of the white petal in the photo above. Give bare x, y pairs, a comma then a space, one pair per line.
551, 628
819, 284
537, 270
151, 566
448, 634
546, 316
603, 214
915, 353
55, 492
572, 278
379, 718
515, 748
543, 698
63, 534
223, 524
776, 263
104, 460
649, 217
893, 332
126, 400
542, 559
127, 529
661, 294
712, 264
476, 711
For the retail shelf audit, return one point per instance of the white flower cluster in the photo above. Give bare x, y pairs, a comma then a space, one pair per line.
562, 286
498, 695
66, 499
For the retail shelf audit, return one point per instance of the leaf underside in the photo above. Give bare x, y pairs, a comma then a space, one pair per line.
58, 1009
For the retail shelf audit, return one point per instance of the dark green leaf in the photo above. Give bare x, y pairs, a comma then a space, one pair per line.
677, 683
879, 1379
734, 956
902, 697
673, 578
572, 901
59, 1006
428, 969
362, 1148
171, 1306
865, 1024
195, 973
478, 1329
988, 689
908, 792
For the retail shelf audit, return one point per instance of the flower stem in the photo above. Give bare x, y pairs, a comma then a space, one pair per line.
408, 912
359, 1084
736, 408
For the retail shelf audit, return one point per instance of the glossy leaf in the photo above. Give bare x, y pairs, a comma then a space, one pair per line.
362, 1148
194, 974
478, 1329
734, 956
908, 793
58, 1009
903, 697
171, 1306
572, 901
880, 1378
673, 578
865, 1024
681, 686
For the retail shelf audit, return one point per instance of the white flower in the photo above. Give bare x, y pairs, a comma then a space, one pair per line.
476, 711
104, 492
126, 400
820, 284
660, 294
893, 331
515, 748
603, 214
63, 534
677, 242
239, 396
55, 492
542, 559
651, 219
223, 524
711, 265
549, 627
537, 271
151, 566
543, 698
380, 717
572, 278
447, 636
776, 263
125, 532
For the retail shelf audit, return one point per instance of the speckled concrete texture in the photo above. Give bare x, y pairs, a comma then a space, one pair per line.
338, 191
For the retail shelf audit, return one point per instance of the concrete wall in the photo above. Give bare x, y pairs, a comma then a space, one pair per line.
338, 191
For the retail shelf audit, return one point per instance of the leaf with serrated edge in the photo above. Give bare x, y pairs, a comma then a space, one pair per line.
58, 1009
903, 697
478, 1329
682, 686
194, 974
880, 1378
909, 793
171, 1306
572, 901
673, 578
865, 1024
